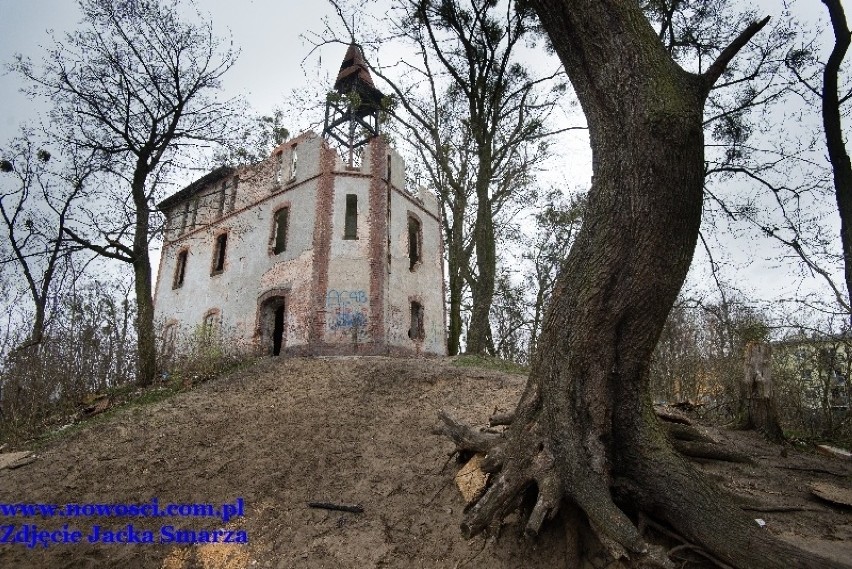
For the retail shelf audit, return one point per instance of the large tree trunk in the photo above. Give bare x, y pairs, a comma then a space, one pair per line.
831, 118
584, 431
455, 258
145, 336
482, 288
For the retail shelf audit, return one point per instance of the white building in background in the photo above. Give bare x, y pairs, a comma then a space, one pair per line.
309, 251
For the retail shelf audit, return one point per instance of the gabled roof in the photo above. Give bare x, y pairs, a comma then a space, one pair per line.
196, 186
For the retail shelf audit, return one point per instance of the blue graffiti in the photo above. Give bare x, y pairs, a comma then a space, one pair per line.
345, 297
343, 318
346, 309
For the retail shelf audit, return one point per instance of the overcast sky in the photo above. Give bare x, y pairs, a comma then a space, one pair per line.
267, 31
269, 34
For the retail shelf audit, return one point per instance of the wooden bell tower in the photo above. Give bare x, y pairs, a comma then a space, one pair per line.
352, 110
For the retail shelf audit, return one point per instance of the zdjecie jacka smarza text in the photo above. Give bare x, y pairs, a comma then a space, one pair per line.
32, 535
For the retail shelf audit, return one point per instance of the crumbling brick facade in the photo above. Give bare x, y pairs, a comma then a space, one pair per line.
316, 256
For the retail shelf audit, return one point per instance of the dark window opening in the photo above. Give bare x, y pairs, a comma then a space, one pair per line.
294, 161
415, 332
279, 165
219, 253
389, 169
180, 270
351, 229
278, 331
281, 219
415, 238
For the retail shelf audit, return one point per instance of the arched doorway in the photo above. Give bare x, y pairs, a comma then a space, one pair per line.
273, 324
278, 330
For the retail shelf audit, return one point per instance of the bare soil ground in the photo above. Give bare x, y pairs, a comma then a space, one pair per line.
284, 432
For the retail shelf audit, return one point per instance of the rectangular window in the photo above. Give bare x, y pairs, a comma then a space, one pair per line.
180, 269
350, 231
279, 166
233, 197
415, 238
294, 160
219, 253
415, 332
281, 219
223, 192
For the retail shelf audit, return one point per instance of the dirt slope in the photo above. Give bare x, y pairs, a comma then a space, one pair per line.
284, 432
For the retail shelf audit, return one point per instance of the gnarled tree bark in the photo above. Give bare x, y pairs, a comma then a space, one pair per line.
584, 431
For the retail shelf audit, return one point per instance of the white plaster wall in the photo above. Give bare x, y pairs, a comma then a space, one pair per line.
250, 267
424, 283
348, 295
252, 270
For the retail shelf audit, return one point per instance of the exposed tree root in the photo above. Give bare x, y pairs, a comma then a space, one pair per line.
708, 451
671, 415
685, 436
685, 545
683, 432
659, 483
498, 419
518, 464
466, 438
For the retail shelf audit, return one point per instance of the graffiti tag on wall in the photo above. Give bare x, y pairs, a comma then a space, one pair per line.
346, 309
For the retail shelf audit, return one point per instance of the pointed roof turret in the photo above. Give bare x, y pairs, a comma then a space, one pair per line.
353, 64
354, 108
354, 76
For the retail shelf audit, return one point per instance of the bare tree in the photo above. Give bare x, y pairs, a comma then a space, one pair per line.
136, 85
35, 202
584, 433
479, 123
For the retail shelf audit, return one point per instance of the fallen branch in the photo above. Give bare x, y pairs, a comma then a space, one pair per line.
355, 509
779, 509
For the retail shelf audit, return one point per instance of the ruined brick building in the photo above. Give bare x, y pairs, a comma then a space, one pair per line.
319, 249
